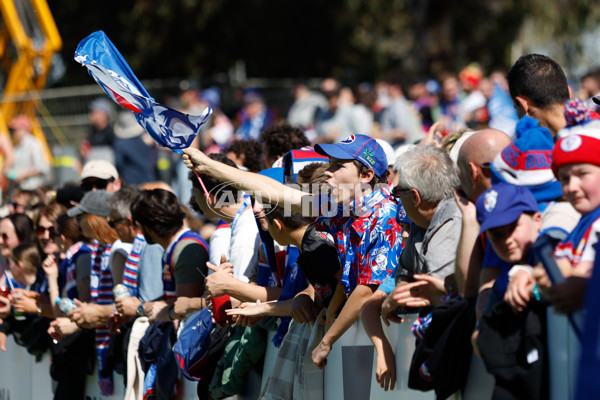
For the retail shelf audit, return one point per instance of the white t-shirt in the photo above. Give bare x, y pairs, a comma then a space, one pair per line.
244, 245
119, 247
219, 244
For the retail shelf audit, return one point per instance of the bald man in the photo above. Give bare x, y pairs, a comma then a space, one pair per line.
474, 159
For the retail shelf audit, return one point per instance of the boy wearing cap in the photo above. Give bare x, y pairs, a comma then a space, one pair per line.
510, 216
364, 226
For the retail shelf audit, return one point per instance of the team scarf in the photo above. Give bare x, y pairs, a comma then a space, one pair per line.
101, 285
68, 268
131, 265
574, 244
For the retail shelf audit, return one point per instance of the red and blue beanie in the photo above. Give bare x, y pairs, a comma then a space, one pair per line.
527, 161
357, 147
577, 144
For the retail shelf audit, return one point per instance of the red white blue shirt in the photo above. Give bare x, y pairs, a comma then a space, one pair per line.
576, 242
368, 241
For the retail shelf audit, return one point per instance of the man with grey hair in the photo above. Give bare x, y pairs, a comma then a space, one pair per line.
142, 274
426, 182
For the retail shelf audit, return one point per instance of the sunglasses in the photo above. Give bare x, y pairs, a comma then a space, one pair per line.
98, 184
41, 231
113, 222
397, 190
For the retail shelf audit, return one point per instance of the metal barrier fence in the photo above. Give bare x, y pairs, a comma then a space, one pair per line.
349, 373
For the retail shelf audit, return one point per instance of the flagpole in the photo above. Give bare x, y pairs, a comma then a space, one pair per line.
201, 183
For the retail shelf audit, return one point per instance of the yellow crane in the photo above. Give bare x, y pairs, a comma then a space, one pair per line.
28, 40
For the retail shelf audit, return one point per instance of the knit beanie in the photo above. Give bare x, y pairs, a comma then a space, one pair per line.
577, 144
527, 161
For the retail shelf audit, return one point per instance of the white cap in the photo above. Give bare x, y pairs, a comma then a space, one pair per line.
99, 169
388, 150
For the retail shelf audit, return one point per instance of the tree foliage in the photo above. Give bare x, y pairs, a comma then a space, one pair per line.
352, 39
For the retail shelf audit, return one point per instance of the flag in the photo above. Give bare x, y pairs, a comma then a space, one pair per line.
168, 127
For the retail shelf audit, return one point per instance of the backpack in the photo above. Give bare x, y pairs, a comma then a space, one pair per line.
191, 349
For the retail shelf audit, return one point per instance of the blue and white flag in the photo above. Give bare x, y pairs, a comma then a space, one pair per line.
169, 128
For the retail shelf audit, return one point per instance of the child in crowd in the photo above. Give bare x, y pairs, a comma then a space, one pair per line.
365, 231
510, 216
577, 167
576, 164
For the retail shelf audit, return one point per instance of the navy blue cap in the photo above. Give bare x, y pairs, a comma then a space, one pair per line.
503, 204
357, 147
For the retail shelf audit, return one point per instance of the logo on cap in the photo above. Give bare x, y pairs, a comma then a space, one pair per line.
369, 156
490, 200
570, 143
349, 139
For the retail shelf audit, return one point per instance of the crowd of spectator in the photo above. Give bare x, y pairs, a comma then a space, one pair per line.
364, 204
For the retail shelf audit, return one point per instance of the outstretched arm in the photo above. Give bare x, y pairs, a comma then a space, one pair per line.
266, 189
347, 317
386, 364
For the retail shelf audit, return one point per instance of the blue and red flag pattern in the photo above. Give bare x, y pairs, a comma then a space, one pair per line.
168, 127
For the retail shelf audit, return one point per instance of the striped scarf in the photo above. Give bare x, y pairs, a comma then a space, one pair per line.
101, 285
131, 265
573, 245
68, 268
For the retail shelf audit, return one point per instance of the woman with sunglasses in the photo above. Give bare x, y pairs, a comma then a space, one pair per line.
38, 301
74, 351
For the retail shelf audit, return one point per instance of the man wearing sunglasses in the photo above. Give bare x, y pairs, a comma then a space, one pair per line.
100, 175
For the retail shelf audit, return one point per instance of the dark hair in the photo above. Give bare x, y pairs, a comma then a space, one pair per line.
213, 185
23, 227
158, 210
540, 79
249, 150
362, 169
293, 221
69, 227
280, 138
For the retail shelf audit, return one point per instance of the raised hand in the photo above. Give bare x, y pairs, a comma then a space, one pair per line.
195, 160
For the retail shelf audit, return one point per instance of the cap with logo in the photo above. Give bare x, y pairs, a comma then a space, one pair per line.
503, 204
357, 147
95, 203
100, 169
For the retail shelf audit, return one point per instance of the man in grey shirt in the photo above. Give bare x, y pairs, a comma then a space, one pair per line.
427, 179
